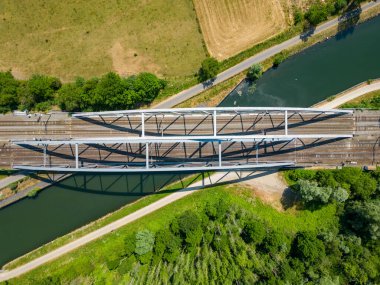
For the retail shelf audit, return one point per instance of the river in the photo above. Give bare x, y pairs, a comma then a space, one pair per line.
302, 80
316, 73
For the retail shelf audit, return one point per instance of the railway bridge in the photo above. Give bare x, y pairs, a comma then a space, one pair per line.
197, 139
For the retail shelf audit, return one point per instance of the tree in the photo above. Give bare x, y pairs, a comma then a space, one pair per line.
308, 247
317, 13
275, 242
310, 192
144, 242
209, 69
253, 232
255, 72
189, 227
363, 217
340, 5
363, 187
340, 195
8, 92
38, 89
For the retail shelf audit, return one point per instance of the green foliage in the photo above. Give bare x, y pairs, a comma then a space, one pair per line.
364, 218
253, 232
189, 226
255, 72
317, 13
144, 242
109, 92
298, 17
129, 246
8, 92
310, 192
308, 247
38, 89
373, 102
112, 263
279, 58
209, 69
340, 5
276, 242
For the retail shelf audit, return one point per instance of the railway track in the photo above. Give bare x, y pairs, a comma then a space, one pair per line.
362, 149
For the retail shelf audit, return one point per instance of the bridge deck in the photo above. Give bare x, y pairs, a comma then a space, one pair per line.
323, 148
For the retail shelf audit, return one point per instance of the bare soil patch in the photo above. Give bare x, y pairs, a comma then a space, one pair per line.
271, 188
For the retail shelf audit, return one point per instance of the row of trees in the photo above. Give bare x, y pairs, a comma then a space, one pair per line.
109, 92
320, 10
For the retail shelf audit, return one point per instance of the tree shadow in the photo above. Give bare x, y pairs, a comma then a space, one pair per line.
289, 198
348, 21
307, 32
208, 83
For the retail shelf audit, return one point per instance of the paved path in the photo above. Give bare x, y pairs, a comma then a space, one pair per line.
244, 65
350, 94
10, 179
216, 178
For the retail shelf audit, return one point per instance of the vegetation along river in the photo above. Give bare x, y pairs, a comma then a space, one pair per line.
302, 80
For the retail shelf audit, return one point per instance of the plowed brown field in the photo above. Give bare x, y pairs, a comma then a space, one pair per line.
231, 26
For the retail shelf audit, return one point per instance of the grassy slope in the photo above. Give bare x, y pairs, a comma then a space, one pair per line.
124, 211
84, 260
73, 38
366, 101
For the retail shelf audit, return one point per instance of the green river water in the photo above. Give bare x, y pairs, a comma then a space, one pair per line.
302, 80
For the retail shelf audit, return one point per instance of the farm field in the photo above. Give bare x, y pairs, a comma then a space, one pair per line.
230, 27
89, 38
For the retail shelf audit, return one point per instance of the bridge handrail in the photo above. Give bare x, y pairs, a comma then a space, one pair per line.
210, 110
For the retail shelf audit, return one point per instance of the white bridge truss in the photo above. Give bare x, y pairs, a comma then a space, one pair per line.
146, 142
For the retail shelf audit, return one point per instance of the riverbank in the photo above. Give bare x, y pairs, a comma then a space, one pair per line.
350, 94
38, 184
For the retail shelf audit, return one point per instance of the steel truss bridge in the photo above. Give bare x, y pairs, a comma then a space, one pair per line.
197, 139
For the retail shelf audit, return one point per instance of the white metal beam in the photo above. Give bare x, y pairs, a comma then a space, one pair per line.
158, 169
212, 109
174, 139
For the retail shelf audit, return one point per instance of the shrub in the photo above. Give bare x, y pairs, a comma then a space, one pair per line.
298, 17
253, 232
112, 263
308, 247
126, 265
255, 72
129, 245
279, 58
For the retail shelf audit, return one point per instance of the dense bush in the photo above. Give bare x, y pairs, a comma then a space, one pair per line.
109, 92
255, 72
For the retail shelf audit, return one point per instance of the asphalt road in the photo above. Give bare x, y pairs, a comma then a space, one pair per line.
244, 65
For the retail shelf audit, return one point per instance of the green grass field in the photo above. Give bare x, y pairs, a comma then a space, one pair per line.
90, 38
